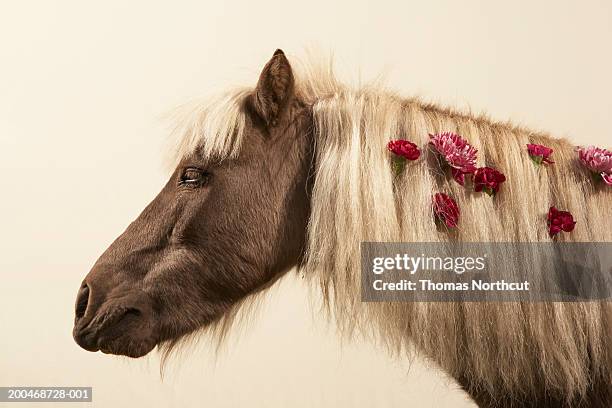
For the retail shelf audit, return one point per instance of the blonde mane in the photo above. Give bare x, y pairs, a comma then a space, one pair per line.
521, 347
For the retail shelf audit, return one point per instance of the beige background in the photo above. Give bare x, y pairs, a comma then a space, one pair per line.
83, 86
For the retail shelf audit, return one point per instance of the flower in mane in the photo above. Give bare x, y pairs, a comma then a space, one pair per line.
457, 152
402, 150
446, 209
559, 221
598, 160
540, 154
488, 179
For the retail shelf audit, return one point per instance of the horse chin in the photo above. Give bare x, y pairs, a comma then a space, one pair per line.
132, 335
128, 347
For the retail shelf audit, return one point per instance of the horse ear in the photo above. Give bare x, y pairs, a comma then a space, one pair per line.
274, 89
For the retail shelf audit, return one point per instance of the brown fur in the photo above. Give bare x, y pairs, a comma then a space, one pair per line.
196, 251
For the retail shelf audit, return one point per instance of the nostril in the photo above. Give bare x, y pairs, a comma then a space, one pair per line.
82, 301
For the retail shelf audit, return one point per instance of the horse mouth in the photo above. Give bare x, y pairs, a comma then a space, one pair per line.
127, 348
127, 336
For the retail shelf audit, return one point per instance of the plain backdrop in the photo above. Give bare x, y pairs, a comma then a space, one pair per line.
84, 87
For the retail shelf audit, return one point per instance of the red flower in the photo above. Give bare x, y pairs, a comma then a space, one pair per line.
488, 179
457, 152
404, 148
446, 209
559, 221
540, 154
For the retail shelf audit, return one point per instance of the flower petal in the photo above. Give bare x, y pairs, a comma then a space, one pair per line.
458, 175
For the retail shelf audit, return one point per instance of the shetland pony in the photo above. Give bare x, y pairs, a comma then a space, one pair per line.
295, 172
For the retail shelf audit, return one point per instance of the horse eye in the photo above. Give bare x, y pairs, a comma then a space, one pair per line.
193, 177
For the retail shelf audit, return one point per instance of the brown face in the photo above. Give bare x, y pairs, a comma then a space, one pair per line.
218, 231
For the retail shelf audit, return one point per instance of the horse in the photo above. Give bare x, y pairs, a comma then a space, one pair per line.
295, 173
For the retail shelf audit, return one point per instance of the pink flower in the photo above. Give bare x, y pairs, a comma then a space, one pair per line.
559, 221
404, 148
597, 160
446, 209
488, 179
540, 154
457, 152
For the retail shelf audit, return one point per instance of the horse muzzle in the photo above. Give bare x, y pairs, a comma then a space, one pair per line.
113, 319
